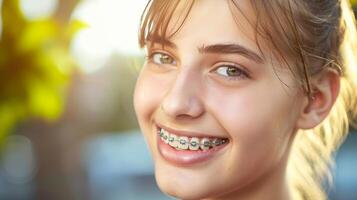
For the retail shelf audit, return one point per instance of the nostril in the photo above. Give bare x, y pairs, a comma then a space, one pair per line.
183, 100
182, 111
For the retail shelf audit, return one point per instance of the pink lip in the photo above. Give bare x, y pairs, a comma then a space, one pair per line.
186, 133
185, 157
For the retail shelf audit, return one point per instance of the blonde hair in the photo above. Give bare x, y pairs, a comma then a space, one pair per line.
313, 150
314, 35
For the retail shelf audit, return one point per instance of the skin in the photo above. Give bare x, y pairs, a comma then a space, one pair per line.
190, 90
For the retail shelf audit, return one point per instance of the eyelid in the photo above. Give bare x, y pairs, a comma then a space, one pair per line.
152, 50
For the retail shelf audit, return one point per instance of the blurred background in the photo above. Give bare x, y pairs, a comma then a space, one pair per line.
67, 125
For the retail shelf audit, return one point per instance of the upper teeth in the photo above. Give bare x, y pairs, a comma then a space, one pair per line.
194, 143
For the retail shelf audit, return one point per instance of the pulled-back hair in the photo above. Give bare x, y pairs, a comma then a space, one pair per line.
309, 36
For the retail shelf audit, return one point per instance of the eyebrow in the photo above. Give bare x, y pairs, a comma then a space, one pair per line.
215, 48
161, 40
231, 49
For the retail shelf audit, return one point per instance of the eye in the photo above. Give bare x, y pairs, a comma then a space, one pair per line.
231, 71
162, 59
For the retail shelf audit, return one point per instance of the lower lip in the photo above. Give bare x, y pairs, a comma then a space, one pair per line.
186, 157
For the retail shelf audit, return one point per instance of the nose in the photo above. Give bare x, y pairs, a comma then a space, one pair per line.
183, 99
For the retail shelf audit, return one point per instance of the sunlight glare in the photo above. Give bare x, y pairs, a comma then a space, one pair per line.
34, 9
112, 28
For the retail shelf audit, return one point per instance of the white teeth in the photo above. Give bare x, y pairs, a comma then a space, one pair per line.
194, 144
205, 144
183, 143
173, 141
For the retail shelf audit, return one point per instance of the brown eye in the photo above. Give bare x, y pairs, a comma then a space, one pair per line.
163, 59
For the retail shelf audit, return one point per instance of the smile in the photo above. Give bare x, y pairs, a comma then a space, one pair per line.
185, 148
186, 143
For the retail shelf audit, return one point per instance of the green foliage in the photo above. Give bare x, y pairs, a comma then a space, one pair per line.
35, 66
354, 3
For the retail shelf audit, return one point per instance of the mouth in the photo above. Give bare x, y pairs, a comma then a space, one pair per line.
183, 148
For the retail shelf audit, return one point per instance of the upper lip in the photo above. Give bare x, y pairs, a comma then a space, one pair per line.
186, 133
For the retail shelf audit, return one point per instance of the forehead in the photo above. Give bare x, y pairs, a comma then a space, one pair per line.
212, 22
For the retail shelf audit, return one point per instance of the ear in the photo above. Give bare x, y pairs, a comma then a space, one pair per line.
325, 87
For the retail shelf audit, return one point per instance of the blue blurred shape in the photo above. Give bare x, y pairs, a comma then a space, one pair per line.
345, 178
119, 166
17, 169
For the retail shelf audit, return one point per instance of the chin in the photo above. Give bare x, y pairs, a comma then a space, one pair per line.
183, 189
181, 192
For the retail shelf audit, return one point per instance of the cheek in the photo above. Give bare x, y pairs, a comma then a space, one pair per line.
147, 96
146, 102
247, 121
255, 119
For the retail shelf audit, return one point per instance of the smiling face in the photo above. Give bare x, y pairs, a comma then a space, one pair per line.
210, 81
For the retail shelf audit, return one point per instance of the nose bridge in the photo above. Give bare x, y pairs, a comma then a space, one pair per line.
184, 96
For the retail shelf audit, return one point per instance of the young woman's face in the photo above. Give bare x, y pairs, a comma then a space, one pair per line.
210, 81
